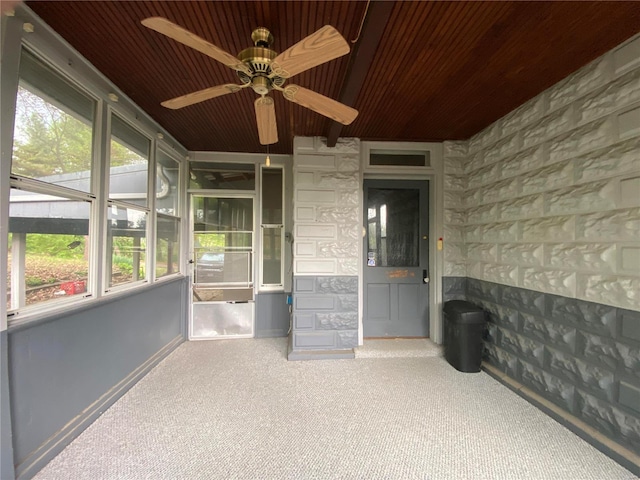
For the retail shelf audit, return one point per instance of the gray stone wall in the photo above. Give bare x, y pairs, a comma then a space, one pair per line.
325, 312
454, 288
552, 190
327, 223
548, 197
455, 211
327, 245
583, 356
542, 229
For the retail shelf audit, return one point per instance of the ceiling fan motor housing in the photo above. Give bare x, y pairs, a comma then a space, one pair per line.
258, 59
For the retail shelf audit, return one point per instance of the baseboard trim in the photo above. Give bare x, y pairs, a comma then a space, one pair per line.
319, 354
625, 457
57, 442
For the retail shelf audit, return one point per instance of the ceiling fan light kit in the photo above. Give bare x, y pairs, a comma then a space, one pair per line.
263, 69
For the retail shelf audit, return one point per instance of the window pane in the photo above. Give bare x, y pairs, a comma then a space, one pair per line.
129, 164
52, 143
272, 256
205, 175
168, 246
394, 227
272, 196
418, 159
126, 237
48, 258
58, 91
167, 184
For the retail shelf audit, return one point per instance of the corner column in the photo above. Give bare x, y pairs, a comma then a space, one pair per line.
327, 248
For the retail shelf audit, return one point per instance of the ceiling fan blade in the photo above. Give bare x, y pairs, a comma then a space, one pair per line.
266, 119
316, 49
320, 104
201, 95
176, 32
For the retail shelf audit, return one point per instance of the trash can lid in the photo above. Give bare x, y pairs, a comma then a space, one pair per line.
461, 311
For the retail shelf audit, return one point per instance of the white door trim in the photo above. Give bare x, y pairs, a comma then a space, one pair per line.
434, 174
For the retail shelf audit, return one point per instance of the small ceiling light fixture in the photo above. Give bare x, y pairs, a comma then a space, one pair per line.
113, 97
28, 27
160, 136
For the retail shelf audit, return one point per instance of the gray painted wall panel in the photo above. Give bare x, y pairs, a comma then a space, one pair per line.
325, 310
314, 303
304, 321
6, 448
60, 367
314, 340
272, 315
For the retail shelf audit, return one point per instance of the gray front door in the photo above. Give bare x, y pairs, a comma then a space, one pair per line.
396, 249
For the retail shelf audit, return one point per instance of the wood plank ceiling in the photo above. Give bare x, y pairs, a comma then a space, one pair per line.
442, 70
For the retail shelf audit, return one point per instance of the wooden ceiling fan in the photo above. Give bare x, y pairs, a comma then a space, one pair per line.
264, 70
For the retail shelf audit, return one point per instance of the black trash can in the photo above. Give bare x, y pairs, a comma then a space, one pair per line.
464, 325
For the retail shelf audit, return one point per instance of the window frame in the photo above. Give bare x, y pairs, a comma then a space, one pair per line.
30, 185
107, 263
107, 100
150, 184
16, 181
272, 287
178, 214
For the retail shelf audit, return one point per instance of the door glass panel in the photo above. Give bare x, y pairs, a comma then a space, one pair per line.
393, 231
222, 287
215, 320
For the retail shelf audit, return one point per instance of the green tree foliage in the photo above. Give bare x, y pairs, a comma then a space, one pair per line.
49, 140
60, 246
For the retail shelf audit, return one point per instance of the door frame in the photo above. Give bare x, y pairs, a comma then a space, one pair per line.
434, 175
250, 194
369, 273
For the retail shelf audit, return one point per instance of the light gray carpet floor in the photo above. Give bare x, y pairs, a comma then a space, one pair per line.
238, 409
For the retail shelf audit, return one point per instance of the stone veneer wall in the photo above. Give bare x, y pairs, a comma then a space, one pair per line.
455, 211
548, 203
583, 356
553, 189
454, 280
327, 243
